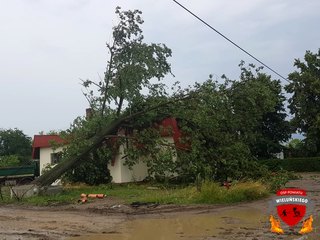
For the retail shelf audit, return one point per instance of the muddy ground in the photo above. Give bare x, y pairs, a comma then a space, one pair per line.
111, 219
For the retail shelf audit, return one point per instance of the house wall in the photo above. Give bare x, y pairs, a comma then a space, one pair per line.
45, 156
138, 173
279, 155
121, 173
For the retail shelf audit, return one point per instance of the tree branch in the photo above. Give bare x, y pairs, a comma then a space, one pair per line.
107, 78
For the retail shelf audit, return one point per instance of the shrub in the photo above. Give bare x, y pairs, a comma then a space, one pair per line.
211, 192
93, 171
276, 180
294, 164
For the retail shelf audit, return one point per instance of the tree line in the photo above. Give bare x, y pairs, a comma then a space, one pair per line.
15, 147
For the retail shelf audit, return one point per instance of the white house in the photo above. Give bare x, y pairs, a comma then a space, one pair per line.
120, 173
43, 150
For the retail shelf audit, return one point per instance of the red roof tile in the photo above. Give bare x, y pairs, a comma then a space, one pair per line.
45, 140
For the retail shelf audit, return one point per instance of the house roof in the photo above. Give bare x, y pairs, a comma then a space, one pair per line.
44, 141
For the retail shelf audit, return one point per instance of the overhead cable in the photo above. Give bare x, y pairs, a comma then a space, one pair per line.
229, 40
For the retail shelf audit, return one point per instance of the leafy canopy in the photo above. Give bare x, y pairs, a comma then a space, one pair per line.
14, 146
259, 113
305, 99
131, 66
229, 125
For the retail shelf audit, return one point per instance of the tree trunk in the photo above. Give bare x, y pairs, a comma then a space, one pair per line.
73, 160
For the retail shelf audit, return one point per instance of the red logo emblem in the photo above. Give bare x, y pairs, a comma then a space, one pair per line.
291, 205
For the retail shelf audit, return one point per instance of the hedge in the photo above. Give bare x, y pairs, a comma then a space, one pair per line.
293, 164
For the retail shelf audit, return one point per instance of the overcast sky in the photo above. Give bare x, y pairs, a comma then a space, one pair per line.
46, 46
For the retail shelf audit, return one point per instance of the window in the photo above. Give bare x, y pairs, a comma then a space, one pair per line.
56, 158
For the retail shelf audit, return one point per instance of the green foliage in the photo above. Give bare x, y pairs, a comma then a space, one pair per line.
92, 172
46, 168
131, 66
225, 126
9, 161
244, 191
15, 142
229, 125
305, 100
296, 148
207, 126
259, 114
158, 154
294, 164
295, 144
93, 168
277, 180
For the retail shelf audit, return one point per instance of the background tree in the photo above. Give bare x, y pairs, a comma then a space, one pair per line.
295, 148
230, 125
305, 100
14, 146
258, 107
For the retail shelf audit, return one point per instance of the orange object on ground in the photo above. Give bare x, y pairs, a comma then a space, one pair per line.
83, 200
91, 195
100, 195
84, 197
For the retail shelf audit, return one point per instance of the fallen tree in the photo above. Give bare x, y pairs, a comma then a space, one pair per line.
71, 160
222, 122
132, 67
69, 163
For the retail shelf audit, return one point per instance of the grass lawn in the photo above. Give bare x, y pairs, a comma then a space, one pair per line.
211, 193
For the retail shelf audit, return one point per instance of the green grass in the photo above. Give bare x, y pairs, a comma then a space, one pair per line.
211, 193
247, 191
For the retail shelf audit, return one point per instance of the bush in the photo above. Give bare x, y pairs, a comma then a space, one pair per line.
211, 192
90, 172
276, 180
93, 170
293, 164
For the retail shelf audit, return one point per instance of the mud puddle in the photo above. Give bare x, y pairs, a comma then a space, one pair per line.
241, 224
189, 226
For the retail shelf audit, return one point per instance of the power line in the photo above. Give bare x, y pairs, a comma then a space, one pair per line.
228, 39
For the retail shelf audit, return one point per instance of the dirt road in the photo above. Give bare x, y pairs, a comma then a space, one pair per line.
110, 219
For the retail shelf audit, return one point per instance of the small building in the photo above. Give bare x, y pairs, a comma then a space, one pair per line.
47, 155
43, 150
